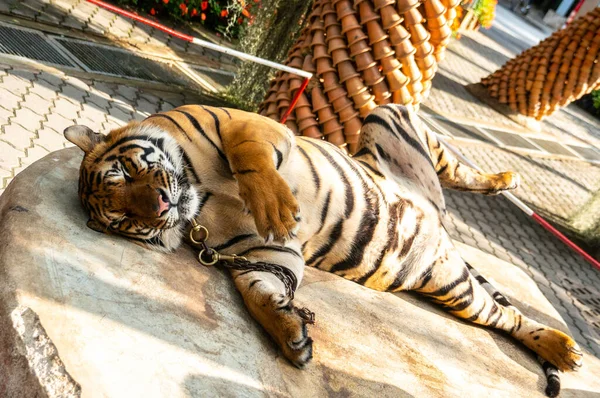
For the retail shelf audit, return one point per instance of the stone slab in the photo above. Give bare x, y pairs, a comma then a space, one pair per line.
128, 322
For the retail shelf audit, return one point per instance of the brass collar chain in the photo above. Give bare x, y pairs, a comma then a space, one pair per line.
209, 257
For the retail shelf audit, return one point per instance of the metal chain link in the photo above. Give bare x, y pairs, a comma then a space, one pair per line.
208, 257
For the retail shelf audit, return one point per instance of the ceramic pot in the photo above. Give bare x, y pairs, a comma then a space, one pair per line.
312, 132
379, 4
382, 49
346, 71
352, 126
366, 12
404, 6
335, 44
389, 17
355, 86
320, 52
339, 56
319, 101
375, 33
372, 76
308, 64
396, 80
364, 61
355, 35
359, 47
324, 66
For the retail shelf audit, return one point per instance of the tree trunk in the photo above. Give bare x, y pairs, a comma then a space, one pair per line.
561, 69
275, 28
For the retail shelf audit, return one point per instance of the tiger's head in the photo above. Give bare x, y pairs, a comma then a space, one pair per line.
132, 182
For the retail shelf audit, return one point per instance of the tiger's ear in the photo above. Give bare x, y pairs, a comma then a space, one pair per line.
84, 137
96, 226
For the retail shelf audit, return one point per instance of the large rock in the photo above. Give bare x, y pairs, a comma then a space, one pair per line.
128, 322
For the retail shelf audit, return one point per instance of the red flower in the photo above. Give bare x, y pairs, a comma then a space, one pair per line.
153, 11
240, 20
203, 16
166, 1
194, 12
204, 5
184, 9
246, 13
224, 13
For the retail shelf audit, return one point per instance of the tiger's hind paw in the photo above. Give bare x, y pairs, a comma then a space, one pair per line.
555, 347
506, 181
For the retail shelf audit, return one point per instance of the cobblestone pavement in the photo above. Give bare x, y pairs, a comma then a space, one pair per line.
476, 55
79, 15
36, 104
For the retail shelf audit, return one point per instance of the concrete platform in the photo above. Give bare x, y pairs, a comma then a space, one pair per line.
128, 322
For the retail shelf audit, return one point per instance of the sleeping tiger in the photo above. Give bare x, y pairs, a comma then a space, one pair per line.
375, 218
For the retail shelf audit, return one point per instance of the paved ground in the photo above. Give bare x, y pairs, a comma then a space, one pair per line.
37, 103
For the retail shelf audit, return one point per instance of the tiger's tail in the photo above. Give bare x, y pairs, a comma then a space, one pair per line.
551, 372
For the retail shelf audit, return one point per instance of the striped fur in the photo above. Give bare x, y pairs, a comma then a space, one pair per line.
551, 372
375, 219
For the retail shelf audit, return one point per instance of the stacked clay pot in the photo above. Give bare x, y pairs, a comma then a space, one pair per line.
363, 53
559, 70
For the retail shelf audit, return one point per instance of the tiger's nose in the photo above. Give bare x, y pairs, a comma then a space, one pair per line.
162, 205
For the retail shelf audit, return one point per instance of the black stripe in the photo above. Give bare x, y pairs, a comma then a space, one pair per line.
169, 118
391, 234
371, 168
233, 241
447, 288
313, 170
425, 277
280, 249
186, 158
336, 232
254, 282
216, 119
412, 141
199, 128
442, 169
279, 156
248, 171
347, 187
226, 112
364, 235
324, 211
123, 140
203, 201
476, 315
495, 321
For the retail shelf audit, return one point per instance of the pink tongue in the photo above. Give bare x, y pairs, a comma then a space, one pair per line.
162, 205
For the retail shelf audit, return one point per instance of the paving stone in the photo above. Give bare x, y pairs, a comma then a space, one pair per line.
4, 115
43, 89
34, 154
36, 104
66, 108
9, 156
57, 122
50, 139
28, 119
8, 100
17, 135
54, 80
14, 84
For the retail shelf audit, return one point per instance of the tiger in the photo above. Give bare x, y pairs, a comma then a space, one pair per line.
375, 218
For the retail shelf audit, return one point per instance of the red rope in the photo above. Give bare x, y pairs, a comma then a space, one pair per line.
566, 240
295, 100
138, 18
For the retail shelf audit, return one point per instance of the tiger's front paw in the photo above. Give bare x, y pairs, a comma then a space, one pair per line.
270, 200
292, 335
505, 182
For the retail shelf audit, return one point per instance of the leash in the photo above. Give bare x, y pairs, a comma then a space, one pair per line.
209, 257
